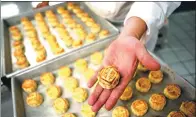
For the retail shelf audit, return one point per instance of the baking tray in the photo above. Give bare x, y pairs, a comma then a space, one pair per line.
22, 110
9, 60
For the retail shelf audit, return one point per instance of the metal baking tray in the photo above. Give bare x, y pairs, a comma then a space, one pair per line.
22, 110
9, 60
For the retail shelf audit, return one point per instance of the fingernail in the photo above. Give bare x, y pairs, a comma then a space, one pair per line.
94, 109
107, 108
89, 85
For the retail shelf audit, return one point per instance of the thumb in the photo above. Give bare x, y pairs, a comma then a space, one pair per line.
145, 58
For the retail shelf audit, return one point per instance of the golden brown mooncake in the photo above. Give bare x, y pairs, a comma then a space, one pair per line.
108, 77
34, 99
172, 91
139, 107
29, 85
188, 108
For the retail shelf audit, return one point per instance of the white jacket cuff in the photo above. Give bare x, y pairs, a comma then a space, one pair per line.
150, 12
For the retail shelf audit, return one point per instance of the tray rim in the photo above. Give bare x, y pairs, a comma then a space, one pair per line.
4, 21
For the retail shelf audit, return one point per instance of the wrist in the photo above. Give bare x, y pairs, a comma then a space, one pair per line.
134, 27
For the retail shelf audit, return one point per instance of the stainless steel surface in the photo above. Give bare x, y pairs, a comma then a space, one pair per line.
21, 109
9, 66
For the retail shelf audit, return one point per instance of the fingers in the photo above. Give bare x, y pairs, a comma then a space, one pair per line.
102, 99
95, 95
145, 58
93, 80
116, 93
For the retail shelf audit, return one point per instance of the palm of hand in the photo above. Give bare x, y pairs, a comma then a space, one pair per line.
123, 54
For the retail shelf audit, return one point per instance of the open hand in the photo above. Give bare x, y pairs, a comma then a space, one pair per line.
123, 53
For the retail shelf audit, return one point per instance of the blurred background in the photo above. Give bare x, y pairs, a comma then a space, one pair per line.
176, 48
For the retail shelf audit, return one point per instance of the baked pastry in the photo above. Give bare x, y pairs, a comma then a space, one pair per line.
35, 42
139, 107
65, 36
108, 77
18, 52
61, 105
32, 33
53, 91
66, 20
80, 32
47, 78
14, 29
96, 58
157, 101
103, 34
29, 85
77, 43
82, 35
78, 11
120, 111
51, 38
82, 14
18, 45
44, 30
143, 84
95, 28
90, 38
84, 18
188, 108
69, 115
127, 94
68, 42
176, 114
80, 94
60, 9
62, 32
89, 73
70, 5
80, 65
64, 72
24, 20
79, 29
54, 23
16, 36
66, 17
39, 17
60, 27
172, 91
48, 13
41, 55
71, 83
53, 46
86, 111
140, 67
58, 50
28, 26
155, 76
21, 60
90, 23
34, 99
90, 20
24, 65
71, 23
40, 48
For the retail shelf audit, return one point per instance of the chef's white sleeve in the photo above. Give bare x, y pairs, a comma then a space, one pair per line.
154, 14
106, 10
